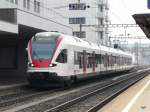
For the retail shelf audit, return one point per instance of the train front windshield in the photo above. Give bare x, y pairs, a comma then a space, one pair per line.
43, 46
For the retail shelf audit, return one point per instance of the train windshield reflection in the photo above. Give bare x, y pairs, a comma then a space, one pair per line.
43, 46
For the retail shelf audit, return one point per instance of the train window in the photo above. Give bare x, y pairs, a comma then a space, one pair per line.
87, 55
124, 60
110, 60
117, 60
120, 60
43, 46
80, 56
78, 59
62, 57
114, 60
102, 59
105, 60
76, 62
98, 58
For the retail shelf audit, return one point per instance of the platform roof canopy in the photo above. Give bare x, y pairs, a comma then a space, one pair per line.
143, 20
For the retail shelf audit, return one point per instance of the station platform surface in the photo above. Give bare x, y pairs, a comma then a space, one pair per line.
134, 99
7, 81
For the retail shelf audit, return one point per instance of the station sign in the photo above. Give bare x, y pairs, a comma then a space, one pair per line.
148, 4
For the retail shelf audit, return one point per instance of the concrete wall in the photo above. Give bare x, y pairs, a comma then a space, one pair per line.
5, 4
47, 19
11, 55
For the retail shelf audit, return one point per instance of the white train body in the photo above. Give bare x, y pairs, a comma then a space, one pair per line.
55, 57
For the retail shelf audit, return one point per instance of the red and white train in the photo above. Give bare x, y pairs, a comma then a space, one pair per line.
56, 58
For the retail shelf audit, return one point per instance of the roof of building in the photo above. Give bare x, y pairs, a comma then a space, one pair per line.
143, 20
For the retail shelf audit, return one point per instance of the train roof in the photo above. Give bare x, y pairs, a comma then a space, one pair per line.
75, 41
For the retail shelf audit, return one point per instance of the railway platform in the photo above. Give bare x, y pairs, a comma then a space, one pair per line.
9, 80
134, 99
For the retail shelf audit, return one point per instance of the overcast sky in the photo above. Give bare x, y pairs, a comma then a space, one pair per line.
121, 11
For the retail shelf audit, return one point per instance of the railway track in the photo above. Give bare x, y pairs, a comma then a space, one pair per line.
20, 96
94, 100
71, 99
58, 95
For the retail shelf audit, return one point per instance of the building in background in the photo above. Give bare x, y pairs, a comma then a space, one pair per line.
19, 21
86, 17
15, 14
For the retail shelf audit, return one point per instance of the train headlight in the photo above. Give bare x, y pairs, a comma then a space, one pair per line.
31, 65
52, 65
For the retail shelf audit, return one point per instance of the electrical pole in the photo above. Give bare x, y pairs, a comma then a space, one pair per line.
80, 24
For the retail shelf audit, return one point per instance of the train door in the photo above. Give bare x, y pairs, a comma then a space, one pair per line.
115, 62
80, 56
93, 60
100, 61
84, 61
106, 61
119, 63
111, 61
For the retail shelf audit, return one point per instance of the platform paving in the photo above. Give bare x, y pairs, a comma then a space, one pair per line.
134, 99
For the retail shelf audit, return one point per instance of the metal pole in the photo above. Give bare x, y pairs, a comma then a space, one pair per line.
80, 30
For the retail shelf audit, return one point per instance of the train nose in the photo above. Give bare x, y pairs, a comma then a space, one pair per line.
41, 63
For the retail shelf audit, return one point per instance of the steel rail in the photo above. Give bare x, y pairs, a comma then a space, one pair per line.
10, 102
78, 99
109, 98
